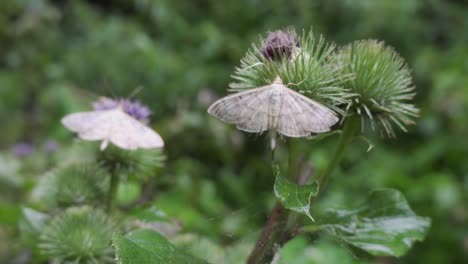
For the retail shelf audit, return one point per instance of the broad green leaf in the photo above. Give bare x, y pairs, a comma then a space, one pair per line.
155, 219
147, 246
293, 196
384, 225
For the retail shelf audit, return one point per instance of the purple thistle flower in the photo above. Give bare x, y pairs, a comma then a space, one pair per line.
132, 108
279, 43
50, 146
22, 150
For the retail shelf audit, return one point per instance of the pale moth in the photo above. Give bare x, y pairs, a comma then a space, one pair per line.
276, 108
115, 126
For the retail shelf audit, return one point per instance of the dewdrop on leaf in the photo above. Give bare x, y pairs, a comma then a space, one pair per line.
114, 123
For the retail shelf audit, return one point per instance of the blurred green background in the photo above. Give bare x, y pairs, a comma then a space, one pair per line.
56, 57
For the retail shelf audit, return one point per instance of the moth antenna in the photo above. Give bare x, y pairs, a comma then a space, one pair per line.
106, 88
135, 91
295, 84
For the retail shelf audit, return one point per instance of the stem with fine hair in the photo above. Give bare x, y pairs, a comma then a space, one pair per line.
351, 125
275, 227
278, 229
114, 182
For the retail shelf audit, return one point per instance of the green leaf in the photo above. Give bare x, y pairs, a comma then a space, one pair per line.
147, 246
212, 251
383, 226
293, 196
300, 250
149, 214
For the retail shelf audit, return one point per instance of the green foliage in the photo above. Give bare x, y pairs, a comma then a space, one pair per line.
80, 234
300, 250
9, 214
149, 214
384, 225
212, 251
147, 246
128, 192
293, 196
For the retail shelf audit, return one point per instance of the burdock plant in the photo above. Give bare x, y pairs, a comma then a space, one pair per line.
368, 85
80, 197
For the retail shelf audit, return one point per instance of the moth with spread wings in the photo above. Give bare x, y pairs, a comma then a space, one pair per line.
115, 126
276, 108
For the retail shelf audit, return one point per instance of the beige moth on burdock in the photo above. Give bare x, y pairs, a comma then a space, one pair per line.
275, 108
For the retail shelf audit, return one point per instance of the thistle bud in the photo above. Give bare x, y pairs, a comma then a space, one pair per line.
382, 85
280, 44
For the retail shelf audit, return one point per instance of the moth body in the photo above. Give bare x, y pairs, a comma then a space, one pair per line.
276, 108
275, 102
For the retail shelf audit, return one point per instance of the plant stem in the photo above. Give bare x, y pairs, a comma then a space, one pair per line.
114, 182
281, 223
264, 250
292, 159
273, 231
349, 130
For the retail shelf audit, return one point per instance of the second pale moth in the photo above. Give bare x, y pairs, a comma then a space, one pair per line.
276, 108
115, 126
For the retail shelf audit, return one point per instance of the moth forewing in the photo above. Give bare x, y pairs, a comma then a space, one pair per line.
276, 108
113, 126
242, 106
302, 116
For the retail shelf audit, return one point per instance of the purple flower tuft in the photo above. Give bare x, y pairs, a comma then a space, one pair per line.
132, 108
50, 146
280, 44
104, 103
22, 150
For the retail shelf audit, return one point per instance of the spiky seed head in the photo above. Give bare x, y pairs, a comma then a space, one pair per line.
78, 235
141, 163
72, 185
381, 85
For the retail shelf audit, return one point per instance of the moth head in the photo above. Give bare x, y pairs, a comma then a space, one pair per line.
278, 80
